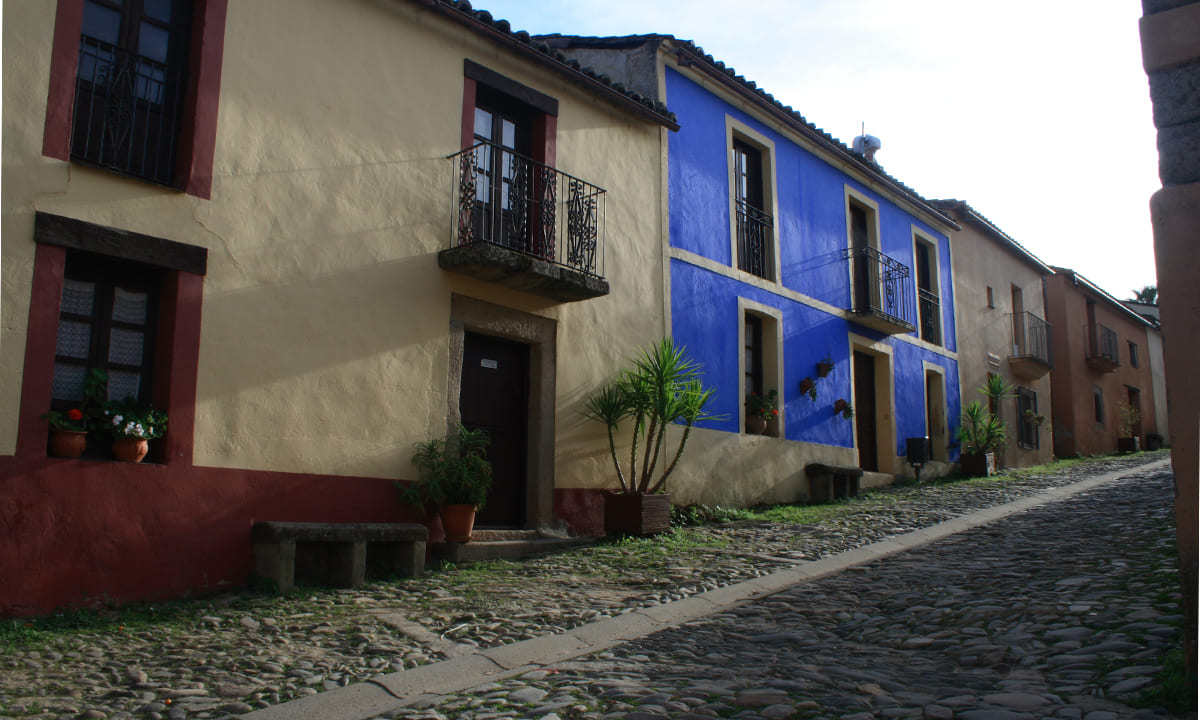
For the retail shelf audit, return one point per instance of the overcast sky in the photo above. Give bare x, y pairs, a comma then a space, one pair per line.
1035, 112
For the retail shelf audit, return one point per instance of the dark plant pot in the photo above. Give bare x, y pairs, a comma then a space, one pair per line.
839, 405
824, 368
1154, 441
756, 425
978, 464
68, 443
131, 450
636, 514
458, 521
1129, 445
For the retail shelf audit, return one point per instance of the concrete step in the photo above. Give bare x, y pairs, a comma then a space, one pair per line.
480, 549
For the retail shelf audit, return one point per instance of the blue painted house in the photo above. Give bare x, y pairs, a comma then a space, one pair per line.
788, 248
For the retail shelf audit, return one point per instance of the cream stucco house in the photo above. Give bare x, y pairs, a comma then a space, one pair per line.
1002, 330
315, 233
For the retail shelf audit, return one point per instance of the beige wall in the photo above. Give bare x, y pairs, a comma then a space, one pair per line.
985, 333
324, 344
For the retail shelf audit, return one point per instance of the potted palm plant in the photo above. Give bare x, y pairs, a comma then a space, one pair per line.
979, 435
455, 477
663, 389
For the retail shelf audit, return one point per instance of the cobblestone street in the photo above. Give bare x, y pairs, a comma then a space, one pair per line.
1064, 611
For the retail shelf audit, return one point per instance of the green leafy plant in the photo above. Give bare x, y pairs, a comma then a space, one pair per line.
996, 389
843, 407
981, 431
1128, 419
808, 387
763, 406
84, 416
848, 411
73, 420
663, 388
127, 419
454, 470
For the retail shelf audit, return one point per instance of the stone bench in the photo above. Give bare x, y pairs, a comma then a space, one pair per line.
827, 483
337, 554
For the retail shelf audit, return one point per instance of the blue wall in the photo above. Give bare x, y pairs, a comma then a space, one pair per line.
811, 216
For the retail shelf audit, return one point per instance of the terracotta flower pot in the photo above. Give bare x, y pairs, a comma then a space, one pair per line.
756, 425
824, 368
130, 449
458, 521
68, 443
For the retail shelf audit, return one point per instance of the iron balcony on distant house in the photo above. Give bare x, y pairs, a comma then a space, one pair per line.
525, 225
880, 287
1102, 349
1030, 358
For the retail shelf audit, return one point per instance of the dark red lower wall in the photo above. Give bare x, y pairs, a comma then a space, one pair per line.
80, 533
582, 509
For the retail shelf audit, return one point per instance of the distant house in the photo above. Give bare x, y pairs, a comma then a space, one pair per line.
1002, 329
314, 234
1101, 367
1155, 356
787, 248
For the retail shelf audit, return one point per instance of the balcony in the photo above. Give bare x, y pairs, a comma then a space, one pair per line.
1030, 358
754, 236
931, 316
880, 288
526, 226
127, 112
1102, 349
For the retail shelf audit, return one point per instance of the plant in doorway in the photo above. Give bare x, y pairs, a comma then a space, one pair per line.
1127, 421
979, 435
455, 476
662, 389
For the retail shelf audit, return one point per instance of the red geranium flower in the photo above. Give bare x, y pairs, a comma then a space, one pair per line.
774, 412
75, 414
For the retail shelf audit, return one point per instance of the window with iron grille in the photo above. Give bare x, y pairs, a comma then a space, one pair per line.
755, 226
1027, 417
130, 84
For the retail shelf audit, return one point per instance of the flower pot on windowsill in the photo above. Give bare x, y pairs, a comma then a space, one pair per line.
756, 425
637, 514
67, 443
131, 450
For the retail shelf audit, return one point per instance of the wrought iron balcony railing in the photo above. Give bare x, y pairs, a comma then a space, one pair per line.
1031, 337
755, 231
931, 316
127, 111
880, 287
1102, 348
508, 200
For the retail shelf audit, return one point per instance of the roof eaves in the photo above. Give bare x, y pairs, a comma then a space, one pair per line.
521, 42
689, 54
990, 227
1104, 295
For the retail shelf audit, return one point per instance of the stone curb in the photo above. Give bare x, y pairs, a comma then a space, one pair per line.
410, 687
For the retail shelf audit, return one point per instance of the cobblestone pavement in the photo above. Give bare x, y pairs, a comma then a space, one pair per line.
1061, 612
236, 653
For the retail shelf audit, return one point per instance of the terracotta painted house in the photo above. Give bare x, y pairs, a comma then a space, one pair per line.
1002, 330
1101, 368
788, 248
311, 260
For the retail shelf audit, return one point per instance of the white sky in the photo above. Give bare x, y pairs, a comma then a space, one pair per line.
1035, 112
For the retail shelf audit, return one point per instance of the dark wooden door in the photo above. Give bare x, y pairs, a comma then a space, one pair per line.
495, 397
860, 242
864, 411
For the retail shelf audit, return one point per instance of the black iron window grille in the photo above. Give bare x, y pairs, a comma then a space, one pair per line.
931, 317
880, 285
754, 235
527, 207
1031, 337
127, 111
